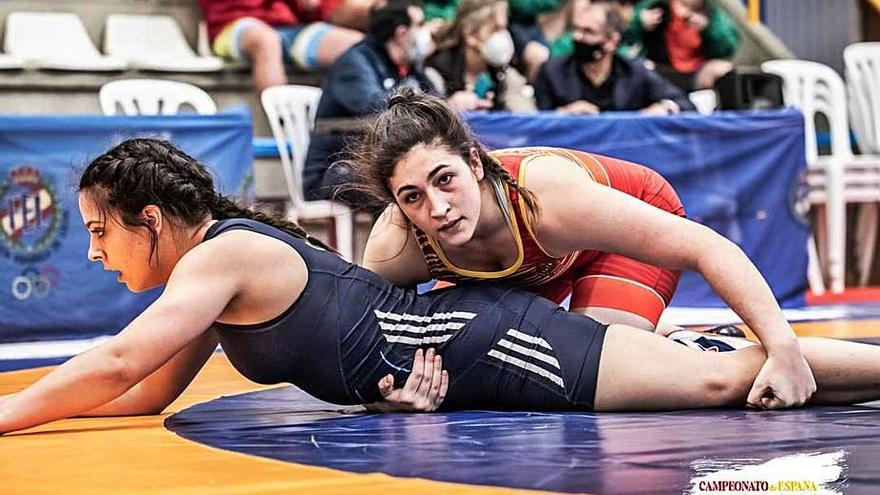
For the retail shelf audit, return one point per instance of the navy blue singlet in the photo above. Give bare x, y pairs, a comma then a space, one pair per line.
503, 348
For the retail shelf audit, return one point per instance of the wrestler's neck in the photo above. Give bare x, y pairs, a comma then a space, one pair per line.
176, 242
492, 235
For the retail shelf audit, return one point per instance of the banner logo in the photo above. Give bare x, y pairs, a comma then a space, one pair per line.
30, 217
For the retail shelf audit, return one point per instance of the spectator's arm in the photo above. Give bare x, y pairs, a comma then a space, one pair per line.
528, 9
544, 90
659, 89
355, 86
632, 37
352, 14
436, 79
721, 37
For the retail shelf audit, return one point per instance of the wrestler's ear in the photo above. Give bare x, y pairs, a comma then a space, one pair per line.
476, 164
152, 215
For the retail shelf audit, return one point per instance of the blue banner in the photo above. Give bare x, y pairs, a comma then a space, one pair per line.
49, 288
736, 172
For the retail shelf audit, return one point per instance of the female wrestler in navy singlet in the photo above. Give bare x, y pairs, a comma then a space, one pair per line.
287, 310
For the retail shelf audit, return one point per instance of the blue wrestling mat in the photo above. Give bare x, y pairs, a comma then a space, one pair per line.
619, 453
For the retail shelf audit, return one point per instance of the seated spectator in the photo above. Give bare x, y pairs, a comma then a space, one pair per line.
538, 28
595, 79
267, 34
472, 64
688, 40
359, 82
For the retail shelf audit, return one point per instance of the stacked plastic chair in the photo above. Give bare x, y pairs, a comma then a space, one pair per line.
835, 179
862, 61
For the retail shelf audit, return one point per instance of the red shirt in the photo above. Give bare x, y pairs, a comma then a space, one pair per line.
684, 44
219, 13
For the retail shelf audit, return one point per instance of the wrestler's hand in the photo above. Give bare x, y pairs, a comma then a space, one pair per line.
784, 381
424, 390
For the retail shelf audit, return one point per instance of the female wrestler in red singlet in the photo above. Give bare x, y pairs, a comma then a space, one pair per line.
609, 232
594, 279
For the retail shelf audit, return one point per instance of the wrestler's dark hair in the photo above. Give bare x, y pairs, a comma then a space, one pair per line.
414, 118
142, 171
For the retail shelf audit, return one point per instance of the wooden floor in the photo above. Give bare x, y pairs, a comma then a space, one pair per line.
137, 455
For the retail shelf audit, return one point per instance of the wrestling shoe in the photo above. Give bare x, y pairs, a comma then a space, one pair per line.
727, 331
714, 343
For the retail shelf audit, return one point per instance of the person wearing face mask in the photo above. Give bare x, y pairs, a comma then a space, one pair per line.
595, 79
358, 83
472, 64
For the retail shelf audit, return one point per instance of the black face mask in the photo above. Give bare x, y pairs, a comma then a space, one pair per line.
585, 53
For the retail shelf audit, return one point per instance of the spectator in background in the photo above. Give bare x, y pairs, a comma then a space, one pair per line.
267, 34
595, 79
538, 28
358, 83
688, 40
472, 64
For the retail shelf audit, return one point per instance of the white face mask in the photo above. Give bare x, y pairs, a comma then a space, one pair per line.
421, 43
498, 49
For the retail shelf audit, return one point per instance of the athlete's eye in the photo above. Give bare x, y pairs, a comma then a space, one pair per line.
444, 179
97, 232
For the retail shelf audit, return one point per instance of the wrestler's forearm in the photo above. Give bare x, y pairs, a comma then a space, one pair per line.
78, 385
739, 283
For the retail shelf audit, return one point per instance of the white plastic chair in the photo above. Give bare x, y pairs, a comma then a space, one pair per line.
705, 100
153, 97
835, 179
291, 113
154, 42
862, 62
11, 62
53, 40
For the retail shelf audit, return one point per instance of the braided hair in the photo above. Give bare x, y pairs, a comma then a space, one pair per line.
414, 118
143, 171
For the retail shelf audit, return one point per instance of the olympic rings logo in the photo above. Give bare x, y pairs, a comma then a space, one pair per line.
34, 283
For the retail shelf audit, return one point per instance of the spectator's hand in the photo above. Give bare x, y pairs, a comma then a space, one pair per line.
698, 21
579, 107
663, 107
651, 18
464, 101
424, 390
435, 25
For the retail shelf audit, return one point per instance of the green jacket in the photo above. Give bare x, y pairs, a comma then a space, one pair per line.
440, 9
720, 38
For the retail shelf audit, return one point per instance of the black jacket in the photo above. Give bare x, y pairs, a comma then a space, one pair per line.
560, 82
